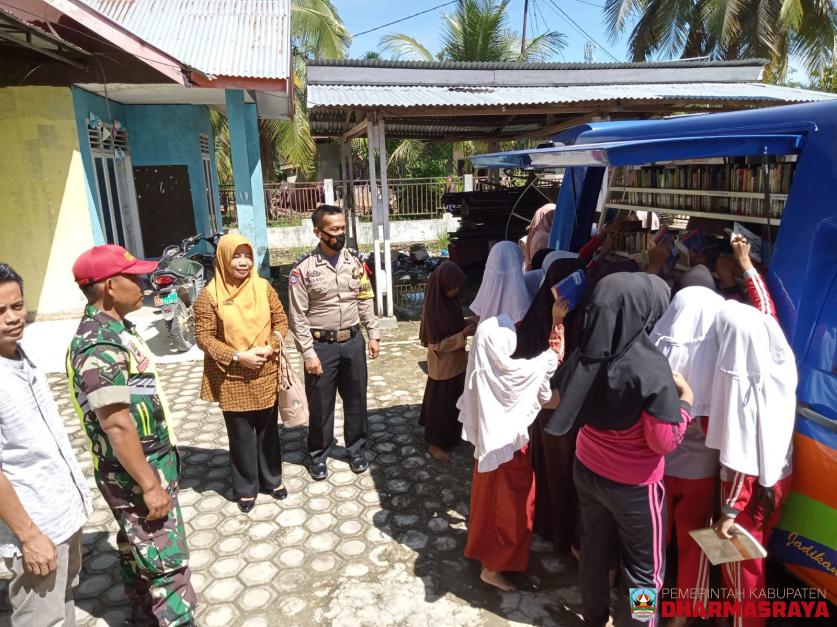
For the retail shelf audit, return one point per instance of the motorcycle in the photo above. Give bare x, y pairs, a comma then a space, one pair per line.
180, 276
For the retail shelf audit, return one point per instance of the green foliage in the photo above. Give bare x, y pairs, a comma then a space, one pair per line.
826, 80
729, 29
477, 30
442, 240
223, 160
316, 32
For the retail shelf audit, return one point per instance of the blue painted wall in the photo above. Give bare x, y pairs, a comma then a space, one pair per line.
157, 135
169, 135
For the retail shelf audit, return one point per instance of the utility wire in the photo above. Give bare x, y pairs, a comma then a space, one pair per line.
592, 4
409, 17
544, 24
581, 30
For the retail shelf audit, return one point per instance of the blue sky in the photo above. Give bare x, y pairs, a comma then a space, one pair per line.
360, 15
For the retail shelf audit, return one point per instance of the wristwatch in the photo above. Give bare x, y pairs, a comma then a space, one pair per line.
235, 357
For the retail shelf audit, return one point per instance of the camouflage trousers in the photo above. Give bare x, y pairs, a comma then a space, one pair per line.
154, 557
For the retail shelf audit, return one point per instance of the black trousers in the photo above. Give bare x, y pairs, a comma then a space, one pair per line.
344, 372
627, 520
255, 452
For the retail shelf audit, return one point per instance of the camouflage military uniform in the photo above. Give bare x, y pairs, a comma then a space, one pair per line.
108, 363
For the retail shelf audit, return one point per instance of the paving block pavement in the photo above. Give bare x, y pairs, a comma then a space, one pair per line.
381, 548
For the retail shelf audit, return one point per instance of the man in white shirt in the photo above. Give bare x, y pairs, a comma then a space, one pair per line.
44, 498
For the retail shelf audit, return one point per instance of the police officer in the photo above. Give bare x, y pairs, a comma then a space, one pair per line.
117, 393
330, 296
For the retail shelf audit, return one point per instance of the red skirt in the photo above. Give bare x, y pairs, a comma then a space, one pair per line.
502, 513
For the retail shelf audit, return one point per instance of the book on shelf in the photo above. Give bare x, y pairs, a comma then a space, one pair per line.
717, 178
719, 550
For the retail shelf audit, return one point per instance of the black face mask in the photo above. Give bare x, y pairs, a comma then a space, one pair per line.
338, 244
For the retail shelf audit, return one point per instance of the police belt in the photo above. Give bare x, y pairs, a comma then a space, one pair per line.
343, 335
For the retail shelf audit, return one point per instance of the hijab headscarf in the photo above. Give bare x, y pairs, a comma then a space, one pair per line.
533, 279
244, 309
699, 275
753, 408
606, 269
502, 395
616, 372
574, 322
503, 290
555, 255
533, 332
538, 257
538, 232
686, 336
441, 316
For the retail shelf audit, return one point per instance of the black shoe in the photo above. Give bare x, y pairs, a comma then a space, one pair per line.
280, 493
358, 464
318, 471
246, 505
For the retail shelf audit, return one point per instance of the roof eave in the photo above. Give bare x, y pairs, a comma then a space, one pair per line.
130, 43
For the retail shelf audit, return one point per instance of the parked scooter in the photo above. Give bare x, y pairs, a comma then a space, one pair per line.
179, 278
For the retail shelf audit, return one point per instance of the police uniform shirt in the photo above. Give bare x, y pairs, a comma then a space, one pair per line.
329, 297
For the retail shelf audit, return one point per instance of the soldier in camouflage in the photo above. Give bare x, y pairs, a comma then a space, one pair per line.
117, 394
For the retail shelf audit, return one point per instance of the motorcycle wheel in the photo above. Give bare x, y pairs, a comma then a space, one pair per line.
182, 328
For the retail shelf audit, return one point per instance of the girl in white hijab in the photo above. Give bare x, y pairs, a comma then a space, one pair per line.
751, 421
502, 397
686, 336
503, 289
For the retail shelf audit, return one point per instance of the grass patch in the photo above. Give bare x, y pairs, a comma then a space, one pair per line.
284, 222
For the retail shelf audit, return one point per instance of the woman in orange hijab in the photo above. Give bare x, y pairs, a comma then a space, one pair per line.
239, 324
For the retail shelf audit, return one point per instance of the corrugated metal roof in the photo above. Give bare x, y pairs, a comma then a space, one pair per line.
9, 15
243, 38
463, 65
410, 130
371, 96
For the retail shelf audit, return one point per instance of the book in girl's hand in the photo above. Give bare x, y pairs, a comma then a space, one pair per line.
719, 550
692, 242
755, 241
571, 289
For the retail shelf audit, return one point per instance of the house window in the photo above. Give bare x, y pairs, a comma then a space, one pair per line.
111, 157
207, 180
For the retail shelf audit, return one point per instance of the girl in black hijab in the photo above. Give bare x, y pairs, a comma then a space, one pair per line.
443, 332
538, 257
698, 275
556, 505
618, 389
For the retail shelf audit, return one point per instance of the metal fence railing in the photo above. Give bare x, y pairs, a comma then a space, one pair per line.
416, 198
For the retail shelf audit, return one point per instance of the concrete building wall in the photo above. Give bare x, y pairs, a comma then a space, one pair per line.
401, 231
157, 135
169, 135
44, 218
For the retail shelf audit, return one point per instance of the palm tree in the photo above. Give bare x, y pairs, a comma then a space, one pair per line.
478, 30
316, 32
729, 29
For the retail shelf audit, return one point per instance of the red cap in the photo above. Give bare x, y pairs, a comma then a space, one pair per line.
102, 262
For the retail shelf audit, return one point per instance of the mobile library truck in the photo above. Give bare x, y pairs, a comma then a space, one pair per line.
769, 173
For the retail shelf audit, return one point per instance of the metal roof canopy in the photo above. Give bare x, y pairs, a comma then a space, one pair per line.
236, 38
494, 102
640, 151
17, 32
